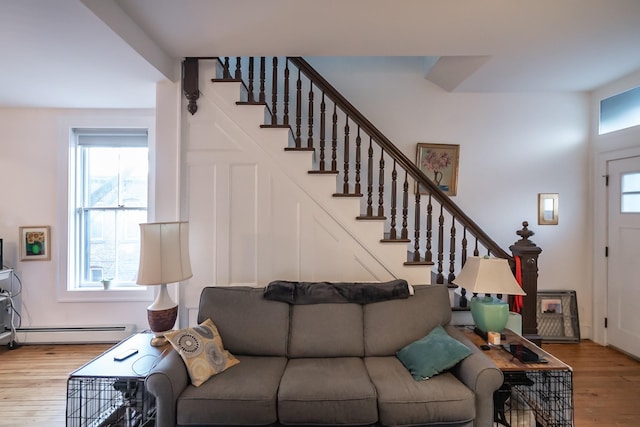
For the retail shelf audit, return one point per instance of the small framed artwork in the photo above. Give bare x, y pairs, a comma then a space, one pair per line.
439, 162
35, 243
547, 208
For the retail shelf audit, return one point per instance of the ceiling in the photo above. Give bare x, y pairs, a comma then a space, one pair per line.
110, 53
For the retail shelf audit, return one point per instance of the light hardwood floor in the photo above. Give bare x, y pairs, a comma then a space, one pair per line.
33, 381
605, 384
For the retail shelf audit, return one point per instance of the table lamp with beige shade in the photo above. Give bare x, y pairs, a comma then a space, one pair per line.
488, 276
164, 258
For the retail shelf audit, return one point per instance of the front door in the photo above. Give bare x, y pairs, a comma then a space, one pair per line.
623, 276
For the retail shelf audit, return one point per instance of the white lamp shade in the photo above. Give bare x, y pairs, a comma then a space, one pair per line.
488, 276
164, 253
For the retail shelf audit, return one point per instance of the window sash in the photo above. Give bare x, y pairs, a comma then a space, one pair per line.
120, 246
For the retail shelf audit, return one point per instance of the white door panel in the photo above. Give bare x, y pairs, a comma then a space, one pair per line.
623, 292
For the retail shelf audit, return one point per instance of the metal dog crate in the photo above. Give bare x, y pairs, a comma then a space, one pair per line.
109, 402
535, 398
557, 316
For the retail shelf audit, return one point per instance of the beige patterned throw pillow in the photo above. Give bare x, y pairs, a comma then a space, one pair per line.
202, 351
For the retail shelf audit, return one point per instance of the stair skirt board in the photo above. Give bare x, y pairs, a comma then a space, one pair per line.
74, 334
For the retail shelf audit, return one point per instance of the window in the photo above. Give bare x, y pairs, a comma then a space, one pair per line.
620, 111
108, 190
630, 193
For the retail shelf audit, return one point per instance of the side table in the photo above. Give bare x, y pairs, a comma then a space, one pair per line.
545, 388
109, 392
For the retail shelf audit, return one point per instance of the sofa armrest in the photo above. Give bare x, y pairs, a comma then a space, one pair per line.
481, 375
166, 382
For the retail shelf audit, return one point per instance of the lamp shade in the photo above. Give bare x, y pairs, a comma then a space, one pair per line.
164, 253
488, 276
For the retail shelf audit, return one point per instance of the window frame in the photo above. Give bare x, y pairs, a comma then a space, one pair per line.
88, 139
623, 193
67, 187
619, 111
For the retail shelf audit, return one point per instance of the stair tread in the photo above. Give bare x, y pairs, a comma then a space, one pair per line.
232, 80
299, 149
419, 263
347, 194
370, 217
274, 126
325, 172
251, 103
395, 240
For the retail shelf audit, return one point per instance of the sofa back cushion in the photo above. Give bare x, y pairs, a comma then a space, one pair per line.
391, 325
248, 323
326, 330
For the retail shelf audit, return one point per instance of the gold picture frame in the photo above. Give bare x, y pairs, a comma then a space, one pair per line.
35, 243
548, 208
439, 162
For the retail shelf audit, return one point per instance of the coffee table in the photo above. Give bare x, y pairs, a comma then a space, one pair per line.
545, 388
106, 391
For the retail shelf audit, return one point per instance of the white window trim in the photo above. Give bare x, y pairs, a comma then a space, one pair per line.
116, 119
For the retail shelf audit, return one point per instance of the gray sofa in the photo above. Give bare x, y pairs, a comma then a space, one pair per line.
325, 364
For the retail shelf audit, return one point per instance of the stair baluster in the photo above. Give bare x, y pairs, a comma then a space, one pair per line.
452, 252
274, 92
357, 190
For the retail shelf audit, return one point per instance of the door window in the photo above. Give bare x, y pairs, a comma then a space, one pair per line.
630, 194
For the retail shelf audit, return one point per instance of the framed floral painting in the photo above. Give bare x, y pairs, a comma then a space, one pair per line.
439, 162
35, 243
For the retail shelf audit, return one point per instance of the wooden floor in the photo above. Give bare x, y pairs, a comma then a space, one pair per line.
33, 381
605, 384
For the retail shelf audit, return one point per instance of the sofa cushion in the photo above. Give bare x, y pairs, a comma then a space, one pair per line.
402, 401
334, 391
432, 354
202, 351
391, 325
244, 395
247, 322
326, 330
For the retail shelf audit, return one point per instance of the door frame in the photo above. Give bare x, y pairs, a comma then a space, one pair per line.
600, 237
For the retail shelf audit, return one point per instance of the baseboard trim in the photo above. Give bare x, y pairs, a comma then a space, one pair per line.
74, 334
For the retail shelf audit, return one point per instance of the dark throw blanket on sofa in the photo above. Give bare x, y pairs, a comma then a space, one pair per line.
331, 292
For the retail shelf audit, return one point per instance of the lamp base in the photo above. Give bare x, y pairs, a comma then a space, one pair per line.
158, 342
162, 315
489, 315
161, 321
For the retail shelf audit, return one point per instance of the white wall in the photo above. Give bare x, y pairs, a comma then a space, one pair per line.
33, 176
512, 147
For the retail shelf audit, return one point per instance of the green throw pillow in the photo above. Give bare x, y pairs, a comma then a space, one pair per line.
432, 354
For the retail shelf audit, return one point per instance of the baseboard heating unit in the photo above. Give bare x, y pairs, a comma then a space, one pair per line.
74, 334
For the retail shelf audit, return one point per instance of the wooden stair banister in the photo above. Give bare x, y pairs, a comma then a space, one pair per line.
398, 156
366, 154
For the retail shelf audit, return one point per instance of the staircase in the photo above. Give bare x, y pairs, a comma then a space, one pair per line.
354, 172
298, 165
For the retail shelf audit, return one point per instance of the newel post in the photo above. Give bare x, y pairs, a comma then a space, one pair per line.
528, 253
190, 83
